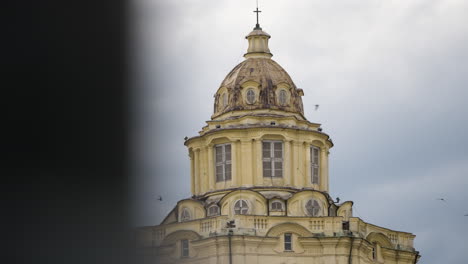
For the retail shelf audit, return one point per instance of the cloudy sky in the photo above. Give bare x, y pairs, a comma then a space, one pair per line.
391, 79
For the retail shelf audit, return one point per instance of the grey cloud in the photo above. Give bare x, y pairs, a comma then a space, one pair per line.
391, 79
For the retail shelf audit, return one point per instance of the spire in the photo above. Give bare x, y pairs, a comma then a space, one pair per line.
257, 26
258, 42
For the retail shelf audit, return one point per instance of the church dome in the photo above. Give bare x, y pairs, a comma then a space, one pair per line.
258, 83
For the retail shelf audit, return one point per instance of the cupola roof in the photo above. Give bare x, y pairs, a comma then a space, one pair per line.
258, 83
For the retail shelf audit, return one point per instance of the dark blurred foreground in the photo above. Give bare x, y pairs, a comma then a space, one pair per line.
64, 144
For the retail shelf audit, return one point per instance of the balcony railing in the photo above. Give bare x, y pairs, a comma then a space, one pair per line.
255, 225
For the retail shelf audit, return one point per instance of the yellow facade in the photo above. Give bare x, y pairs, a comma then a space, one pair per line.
260, 184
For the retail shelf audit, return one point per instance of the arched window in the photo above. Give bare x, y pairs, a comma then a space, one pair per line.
185, 215
312, 208
241, 207
276, 206
283, 97
213, 210
250, 96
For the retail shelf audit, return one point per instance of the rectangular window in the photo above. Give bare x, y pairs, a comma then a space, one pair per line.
223, 162
315, 164
287, 241
272, 158
184, 247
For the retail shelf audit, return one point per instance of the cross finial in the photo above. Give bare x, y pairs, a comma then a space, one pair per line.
257, 26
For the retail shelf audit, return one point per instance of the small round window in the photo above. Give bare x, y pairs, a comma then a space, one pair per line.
312, 208
283, 97
241, 207
250, 96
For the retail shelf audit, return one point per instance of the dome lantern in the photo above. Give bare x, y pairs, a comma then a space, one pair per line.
258, 42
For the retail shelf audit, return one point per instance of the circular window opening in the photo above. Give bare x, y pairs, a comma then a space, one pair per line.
313, 208
283, 97
241, 207
250, 96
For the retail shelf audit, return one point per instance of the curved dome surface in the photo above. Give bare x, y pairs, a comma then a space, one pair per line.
272, 86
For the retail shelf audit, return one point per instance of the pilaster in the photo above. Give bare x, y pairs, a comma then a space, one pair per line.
211, 167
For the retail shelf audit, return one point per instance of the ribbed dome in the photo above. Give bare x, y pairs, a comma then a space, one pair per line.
267, 78
258, 83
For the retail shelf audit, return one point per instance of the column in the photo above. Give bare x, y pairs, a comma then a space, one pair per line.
307, 160
210, 168
197, 171
204, 169
258, 165
287, 163
324, 169
235, 175
246, 156
304, 165
192, 171
297, 174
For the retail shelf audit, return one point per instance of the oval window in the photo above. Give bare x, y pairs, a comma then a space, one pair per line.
283, 97
250, 96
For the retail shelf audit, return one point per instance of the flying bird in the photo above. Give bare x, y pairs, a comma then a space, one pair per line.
316, 107
442, 199
160, 198
466, 215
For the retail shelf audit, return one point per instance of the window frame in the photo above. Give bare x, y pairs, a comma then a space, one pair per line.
184, 248
314, 203
213, 206
272, 159
283, 94
275, 209
252, 90
374, 251
315, 165
223, 162
288, 242
241, 208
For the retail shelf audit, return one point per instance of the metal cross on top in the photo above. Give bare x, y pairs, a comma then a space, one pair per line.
257, 11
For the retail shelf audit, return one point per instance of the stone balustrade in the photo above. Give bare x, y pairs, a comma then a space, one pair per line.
255, 225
